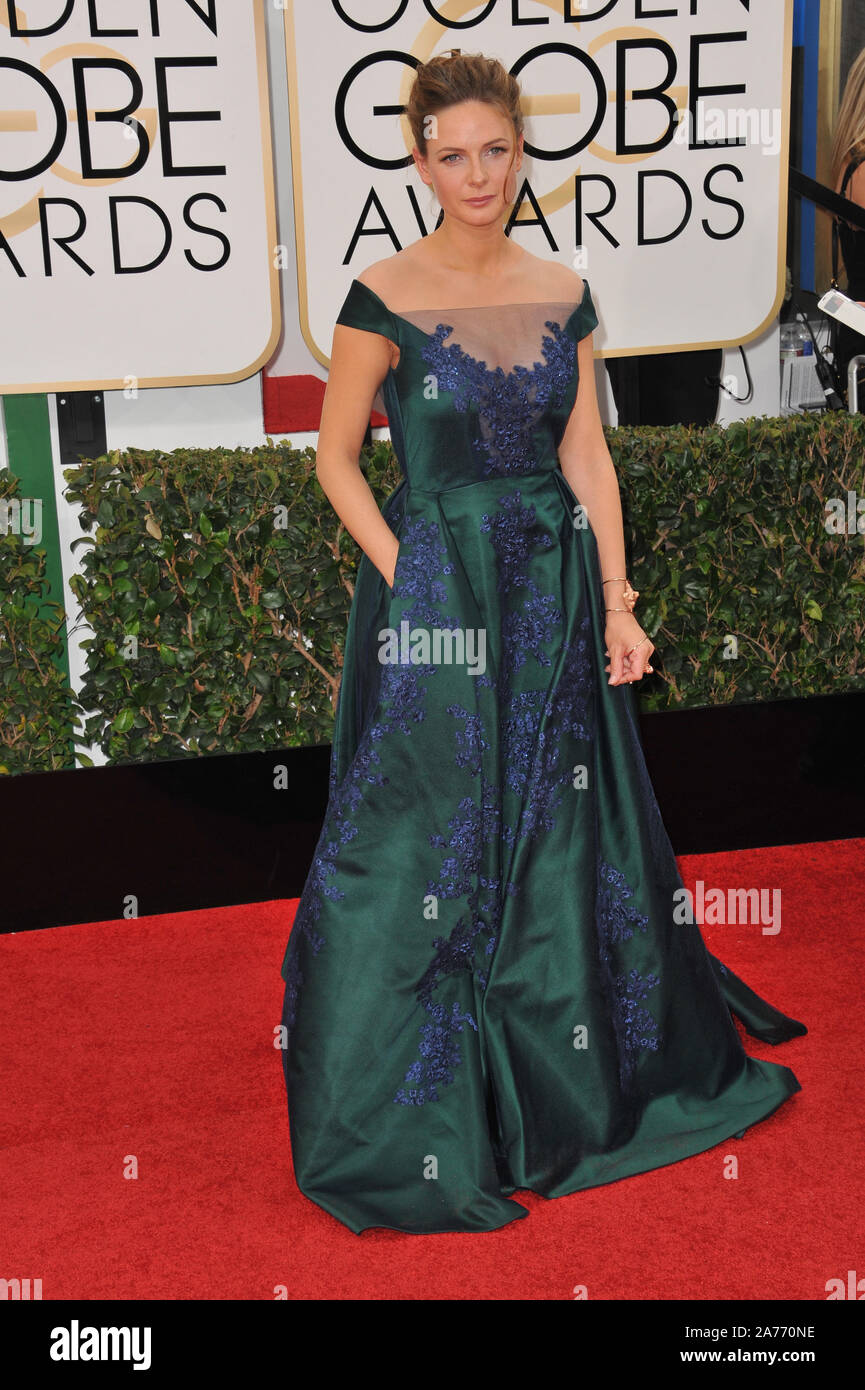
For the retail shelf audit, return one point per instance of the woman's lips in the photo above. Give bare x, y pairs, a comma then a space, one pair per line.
478, 201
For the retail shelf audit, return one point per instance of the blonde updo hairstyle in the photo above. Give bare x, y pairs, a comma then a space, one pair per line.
448, 79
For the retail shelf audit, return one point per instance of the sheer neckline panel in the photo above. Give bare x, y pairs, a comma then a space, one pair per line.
513, 338
475, 308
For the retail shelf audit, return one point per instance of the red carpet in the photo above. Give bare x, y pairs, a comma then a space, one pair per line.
151, 1042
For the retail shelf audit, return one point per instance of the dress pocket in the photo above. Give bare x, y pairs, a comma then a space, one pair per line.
393, 586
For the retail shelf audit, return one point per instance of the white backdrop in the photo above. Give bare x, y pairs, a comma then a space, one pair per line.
201, 215
683, 244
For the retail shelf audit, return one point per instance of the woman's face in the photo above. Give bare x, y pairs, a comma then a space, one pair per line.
472, 155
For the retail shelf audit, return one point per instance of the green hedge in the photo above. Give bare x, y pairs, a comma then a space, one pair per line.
37, 709
726, 536
218, 586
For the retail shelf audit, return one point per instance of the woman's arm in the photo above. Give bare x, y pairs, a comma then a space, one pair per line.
588, 467
358, 365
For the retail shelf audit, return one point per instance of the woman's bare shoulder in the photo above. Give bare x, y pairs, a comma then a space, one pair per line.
554, 280
390, 277
404, 277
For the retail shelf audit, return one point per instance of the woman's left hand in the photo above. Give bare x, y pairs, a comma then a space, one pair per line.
620, 634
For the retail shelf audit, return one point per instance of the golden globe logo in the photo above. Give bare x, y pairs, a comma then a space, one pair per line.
138, 153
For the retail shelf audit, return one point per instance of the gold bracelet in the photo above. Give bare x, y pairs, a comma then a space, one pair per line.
629, 595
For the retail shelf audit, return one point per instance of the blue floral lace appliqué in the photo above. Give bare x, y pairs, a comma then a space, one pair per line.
469, 830
533, 726
508, 404
618, 919
535, 722
402, 704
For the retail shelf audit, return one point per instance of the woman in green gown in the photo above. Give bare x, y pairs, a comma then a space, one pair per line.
488, 986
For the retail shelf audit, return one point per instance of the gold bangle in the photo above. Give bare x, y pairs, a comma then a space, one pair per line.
629, 594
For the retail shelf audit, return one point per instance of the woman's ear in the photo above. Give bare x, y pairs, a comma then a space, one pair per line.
422, 165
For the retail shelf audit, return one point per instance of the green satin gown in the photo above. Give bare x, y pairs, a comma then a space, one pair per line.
487, 983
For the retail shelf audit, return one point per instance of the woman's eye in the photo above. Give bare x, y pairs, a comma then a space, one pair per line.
495, 149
